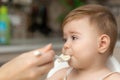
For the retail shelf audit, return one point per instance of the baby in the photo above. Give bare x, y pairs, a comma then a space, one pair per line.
90, 34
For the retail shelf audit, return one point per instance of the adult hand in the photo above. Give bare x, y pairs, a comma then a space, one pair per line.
27, 66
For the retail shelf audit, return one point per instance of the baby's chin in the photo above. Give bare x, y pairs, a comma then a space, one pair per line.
72, 63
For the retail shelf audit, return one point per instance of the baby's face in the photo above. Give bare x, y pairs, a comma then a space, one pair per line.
80, 42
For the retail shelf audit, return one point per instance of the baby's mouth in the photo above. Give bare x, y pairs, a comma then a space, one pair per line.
63, 58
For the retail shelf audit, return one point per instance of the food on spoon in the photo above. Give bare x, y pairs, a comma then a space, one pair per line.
64, 58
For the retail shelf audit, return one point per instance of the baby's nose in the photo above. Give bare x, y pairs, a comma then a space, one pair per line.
66, 51
67, 45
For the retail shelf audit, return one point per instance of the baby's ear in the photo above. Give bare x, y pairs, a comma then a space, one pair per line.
103, 43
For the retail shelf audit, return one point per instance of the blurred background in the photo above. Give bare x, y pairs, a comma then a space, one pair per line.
30, 24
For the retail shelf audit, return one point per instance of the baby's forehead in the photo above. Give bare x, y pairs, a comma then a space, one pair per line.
79, 30
80, 22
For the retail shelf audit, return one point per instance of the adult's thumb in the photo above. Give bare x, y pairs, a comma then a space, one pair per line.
47, 47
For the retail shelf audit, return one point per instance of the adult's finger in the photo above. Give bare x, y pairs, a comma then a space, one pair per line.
41, 50
45, 68
46, 48
46, 58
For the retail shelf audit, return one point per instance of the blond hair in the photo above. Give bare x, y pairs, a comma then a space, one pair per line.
101, 17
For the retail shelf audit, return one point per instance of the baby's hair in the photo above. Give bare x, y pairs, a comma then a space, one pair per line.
99, 16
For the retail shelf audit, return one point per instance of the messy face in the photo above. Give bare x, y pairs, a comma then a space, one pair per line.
80, 43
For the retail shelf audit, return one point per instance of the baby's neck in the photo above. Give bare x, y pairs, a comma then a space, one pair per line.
90, 73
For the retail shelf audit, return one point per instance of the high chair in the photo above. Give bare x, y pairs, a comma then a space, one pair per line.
112, 64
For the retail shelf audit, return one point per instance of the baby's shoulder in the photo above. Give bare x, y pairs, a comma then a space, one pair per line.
59, 75
115, 76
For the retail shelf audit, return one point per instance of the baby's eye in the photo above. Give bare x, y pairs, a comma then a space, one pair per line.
74, 38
